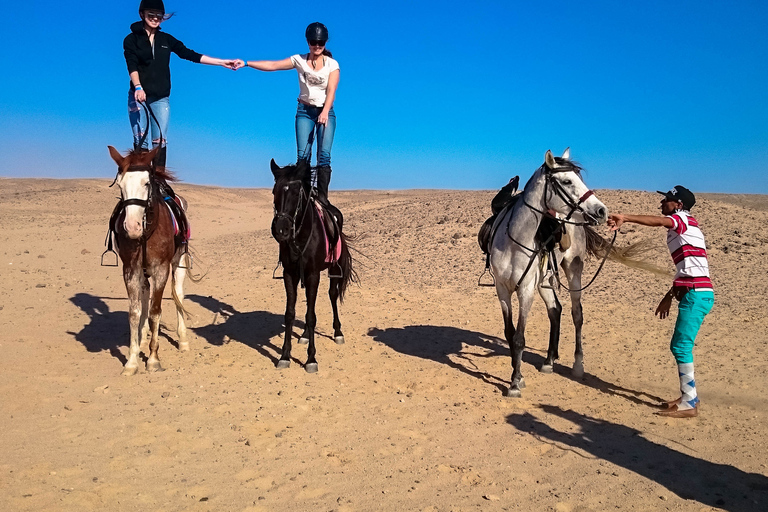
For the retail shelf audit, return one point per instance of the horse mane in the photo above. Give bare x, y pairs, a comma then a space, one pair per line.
571, 164
133, 157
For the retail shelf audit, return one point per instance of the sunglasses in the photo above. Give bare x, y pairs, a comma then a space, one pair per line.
154, 15
316, 43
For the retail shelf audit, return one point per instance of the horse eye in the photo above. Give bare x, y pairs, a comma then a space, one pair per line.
286, 188
567, 182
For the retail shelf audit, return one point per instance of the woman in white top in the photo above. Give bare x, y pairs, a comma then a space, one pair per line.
318, 79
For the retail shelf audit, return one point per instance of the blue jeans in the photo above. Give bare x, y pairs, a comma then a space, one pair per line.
161, 107
306, 127
690, 315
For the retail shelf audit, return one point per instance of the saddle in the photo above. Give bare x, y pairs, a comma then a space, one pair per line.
507, 198
332, 221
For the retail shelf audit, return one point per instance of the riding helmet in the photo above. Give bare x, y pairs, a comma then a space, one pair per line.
317, 32
152, 5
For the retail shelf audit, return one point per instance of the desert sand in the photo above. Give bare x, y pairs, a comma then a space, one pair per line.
409, 413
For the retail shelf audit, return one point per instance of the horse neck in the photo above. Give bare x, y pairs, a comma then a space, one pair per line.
526, 220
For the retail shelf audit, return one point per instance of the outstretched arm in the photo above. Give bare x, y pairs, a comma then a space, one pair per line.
212, 61
615, 220
265, 65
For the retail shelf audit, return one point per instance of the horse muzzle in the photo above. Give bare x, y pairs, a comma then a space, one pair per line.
282, 228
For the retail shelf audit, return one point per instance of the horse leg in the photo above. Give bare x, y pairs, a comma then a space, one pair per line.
143, 323
573, 271
505, 299
291, 281
179, 274
312, 281
333, 293
554, 312
155, 311
525, 299
134, 284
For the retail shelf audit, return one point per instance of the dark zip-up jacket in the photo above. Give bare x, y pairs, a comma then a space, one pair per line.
154, 66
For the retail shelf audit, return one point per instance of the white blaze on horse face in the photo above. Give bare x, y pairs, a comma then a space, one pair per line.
134, 185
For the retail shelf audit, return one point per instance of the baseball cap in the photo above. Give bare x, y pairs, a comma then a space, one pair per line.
682, 194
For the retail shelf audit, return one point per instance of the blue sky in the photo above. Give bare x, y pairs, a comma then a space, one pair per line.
456, 95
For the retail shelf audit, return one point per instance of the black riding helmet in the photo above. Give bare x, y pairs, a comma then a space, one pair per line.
152, 5
316, 32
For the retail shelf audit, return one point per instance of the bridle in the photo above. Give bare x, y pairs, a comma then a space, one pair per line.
147, 204
575, 205
297, 220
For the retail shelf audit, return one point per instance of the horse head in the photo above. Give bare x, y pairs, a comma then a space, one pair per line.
566, 192
137, 180
291, 197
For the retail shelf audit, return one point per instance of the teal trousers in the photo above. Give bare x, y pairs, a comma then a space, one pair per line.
691, 312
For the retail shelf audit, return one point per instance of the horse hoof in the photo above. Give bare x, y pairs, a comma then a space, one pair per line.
283, 364
577, 371
339, 340
512, 393
154, 366
128, 371
184, 347
303, 341
311, 367
546, 368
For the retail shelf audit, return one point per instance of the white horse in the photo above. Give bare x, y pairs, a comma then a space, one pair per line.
516, 255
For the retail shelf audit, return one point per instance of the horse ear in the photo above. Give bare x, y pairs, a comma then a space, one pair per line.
151, 155
116, 156
275, 168
566, 154
550, 160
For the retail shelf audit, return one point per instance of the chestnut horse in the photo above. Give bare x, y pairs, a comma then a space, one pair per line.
149, 247
304, 252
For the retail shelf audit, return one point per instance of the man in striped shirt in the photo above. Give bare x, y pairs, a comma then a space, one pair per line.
692, 287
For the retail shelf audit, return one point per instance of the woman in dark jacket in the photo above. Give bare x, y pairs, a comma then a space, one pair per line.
148, 54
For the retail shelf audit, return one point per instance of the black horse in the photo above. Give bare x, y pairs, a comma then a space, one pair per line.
311, 240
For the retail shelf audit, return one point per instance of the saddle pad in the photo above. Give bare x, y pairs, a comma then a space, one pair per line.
176, 230
332, 255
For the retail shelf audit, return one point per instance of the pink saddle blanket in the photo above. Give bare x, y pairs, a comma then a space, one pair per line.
176, 229
332, 254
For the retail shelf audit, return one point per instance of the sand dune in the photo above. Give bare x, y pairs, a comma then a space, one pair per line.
408, 415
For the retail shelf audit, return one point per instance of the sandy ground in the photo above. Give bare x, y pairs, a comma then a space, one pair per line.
409, 414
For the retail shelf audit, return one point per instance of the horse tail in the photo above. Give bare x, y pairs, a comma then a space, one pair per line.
179, 305
633, 255
348, 273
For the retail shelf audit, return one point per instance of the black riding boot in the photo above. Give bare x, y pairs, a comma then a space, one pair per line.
323, 180
159, 159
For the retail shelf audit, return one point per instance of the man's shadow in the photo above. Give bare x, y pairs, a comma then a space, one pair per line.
690, 478
438, 343
108, 330
253, 329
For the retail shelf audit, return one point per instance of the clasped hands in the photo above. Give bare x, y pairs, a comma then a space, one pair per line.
233, 64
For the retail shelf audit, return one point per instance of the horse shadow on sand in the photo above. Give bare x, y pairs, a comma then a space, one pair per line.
254, 329
456, 348
716, 485
107, 330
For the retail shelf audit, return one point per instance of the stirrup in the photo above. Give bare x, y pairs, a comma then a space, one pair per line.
109, 264
279, 264
480, 279
334, 276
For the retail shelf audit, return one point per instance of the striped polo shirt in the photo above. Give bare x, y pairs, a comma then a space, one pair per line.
689, 252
